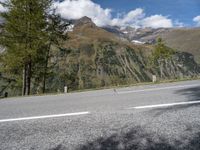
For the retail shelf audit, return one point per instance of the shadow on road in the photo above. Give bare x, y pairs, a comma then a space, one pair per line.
160, 111
59, 147
137, 139
193, 94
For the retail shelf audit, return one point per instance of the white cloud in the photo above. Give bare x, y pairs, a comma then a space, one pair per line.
2, 9
75, 9
177, 23
197, 20
157, 21
131, 19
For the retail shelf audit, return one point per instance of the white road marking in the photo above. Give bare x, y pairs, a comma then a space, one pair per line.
157, 89
44, 117
165, 105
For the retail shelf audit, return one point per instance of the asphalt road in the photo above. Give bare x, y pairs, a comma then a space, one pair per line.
165, 116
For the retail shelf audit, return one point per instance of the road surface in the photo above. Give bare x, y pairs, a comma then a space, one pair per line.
164, 116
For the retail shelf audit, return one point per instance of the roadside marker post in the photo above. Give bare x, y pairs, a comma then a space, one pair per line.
65, 89
154, 78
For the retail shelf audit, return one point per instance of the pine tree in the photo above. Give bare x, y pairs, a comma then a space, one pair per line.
23, 34
56, 31
161, 54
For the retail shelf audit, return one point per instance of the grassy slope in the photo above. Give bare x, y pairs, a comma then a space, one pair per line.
86, 35
186, 40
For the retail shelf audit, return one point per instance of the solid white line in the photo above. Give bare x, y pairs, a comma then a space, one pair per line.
44, 117
156, 89
165, 105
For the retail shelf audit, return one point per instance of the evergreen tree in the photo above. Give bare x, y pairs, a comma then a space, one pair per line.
56, 31
23, 34
161, 54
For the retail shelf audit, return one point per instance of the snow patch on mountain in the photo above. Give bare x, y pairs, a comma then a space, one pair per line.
137, 42
70, 28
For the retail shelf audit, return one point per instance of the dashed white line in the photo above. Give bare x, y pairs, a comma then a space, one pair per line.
165, 105
157, 89
45, 117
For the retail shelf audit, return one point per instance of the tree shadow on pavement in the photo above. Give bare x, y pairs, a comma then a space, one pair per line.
159, 111
137, 139
193, 94
59, 147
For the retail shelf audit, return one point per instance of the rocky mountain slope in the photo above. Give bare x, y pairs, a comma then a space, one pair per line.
181, 39
94, 57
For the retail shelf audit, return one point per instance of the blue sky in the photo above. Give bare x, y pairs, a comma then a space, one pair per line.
134, 13
181, 10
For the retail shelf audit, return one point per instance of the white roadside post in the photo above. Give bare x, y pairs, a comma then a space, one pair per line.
65, 89
154, 79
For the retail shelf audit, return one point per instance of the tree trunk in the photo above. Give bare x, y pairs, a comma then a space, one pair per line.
45, 69
28, 78
24, 81
44, 83
160, 67
28, 42
161, 70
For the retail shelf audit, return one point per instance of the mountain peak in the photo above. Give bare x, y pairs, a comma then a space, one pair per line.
84, 21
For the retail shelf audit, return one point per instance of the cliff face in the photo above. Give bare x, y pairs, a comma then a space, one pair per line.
103, 64
106, 63
94, 58
180, 65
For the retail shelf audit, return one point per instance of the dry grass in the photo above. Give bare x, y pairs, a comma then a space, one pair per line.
186, 40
